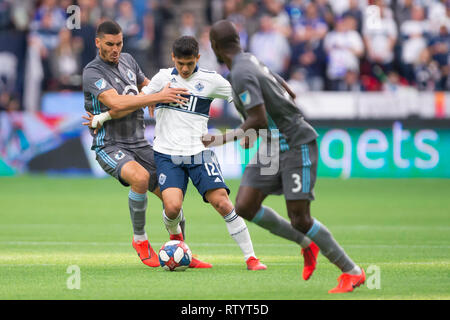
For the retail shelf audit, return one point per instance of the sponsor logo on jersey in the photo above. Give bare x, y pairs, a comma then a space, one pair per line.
100, 84
245, 97
173, 80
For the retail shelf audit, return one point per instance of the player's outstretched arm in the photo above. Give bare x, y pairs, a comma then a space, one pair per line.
122, 105
257, 119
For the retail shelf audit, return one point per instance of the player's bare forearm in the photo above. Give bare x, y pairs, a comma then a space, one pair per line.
221, 139
257, 119
121, 105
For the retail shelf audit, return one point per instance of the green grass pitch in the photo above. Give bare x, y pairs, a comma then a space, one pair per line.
399, 227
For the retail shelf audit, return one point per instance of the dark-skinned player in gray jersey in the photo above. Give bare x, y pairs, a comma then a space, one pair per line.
266, 102
111, 85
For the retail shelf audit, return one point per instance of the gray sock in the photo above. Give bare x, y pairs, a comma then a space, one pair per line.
329, 247
137, 204
270, 220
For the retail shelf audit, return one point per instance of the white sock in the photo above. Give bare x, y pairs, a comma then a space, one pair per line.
355, 271
140, 237
238, 230
173, 225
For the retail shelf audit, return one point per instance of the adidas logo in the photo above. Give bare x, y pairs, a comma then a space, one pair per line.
217, 180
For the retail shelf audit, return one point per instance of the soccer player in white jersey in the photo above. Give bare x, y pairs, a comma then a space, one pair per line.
178, 149
111, 82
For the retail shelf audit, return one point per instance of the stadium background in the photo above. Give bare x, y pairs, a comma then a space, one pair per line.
371, 76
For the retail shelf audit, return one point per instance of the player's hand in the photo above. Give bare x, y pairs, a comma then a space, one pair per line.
246, 142
208, 139
90, 117
173, 95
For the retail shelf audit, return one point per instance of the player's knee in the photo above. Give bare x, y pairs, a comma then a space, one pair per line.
302, 222
140, 179
223, 205
172, 208
220, 201
245, 210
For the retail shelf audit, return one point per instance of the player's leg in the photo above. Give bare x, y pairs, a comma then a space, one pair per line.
173, 181
172, 213
299, 213
253, 190
208, 179
138, 179
120, 163
145, 157
236, 226
298, 188
249, 206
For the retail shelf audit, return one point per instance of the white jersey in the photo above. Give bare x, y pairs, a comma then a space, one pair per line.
179, 128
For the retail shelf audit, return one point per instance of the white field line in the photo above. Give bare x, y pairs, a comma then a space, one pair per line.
444, 263
374, 227
207, 244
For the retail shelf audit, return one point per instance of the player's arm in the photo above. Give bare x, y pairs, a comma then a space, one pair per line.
252, 99
122, 105
257, 119
285, 85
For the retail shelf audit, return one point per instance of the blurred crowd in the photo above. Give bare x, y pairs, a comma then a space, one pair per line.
349, 45
333, 45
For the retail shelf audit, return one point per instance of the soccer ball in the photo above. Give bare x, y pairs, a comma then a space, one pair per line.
175, 255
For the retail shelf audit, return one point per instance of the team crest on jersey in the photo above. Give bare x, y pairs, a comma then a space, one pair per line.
199, 86
245, 97
119, 155
100, 84
162, 178
131, 75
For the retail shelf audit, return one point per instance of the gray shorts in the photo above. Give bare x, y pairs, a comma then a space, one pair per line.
112, 159
295, 177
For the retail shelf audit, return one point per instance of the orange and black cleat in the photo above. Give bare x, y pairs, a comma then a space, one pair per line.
146, 253
195, 263
348, 282
198, 264
310, 260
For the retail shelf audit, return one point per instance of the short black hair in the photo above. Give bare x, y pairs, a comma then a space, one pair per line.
108, 27
185, 46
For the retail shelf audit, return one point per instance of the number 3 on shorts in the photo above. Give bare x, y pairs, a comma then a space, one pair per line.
298, 184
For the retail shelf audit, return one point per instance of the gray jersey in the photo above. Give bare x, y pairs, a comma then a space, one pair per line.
99, 76
254, 84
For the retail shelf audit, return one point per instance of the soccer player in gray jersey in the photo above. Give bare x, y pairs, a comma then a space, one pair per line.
111, 83
266, 102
